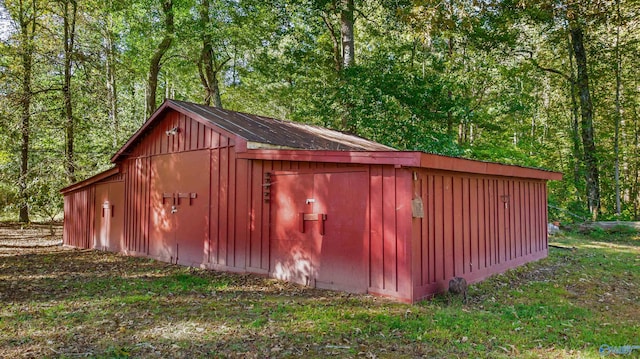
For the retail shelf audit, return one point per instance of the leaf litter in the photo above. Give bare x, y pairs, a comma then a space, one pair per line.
63, 302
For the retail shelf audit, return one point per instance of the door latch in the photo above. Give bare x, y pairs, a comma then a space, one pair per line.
174, 209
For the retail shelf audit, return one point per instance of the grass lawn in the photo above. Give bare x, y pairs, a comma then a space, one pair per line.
66, 303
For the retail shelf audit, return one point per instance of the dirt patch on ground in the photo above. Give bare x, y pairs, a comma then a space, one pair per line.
28, 236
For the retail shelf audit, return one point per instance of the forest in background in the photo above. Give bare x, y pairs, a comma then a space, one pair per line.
550, 84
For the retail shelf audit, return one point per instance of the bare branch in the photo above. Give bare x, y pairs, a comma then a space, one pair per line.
336, 43
528, 54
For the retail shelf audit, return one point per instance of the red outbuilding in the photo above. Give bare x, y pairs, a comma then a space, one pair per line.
201, 186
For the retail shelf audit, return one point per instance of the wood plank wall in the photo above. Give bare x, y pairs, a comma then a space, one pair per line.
191, 136
390, 235
475, 226
137, 205
253, 212
79, 218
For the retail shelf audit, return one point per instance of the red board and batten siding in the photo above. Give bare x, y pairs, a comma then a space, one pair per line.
474, 226
83, 210
79, 218
390, 235
253, 217
192, 136
477, 218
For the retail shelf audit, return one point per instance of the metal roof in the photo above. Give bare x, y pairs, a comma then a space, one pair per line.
265, 132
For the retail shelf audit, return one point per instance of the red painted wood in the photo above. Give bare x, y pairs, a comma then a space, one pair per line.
109, 216
266, 221
467, 241
389, 239
342, 259
214, 208
376, 260
231, 205
490, 235
293, 253
420, 250
256, 198
192, 229
517, 218
137, 205
474, 230
546, 214
482, 225
502, 224
439, 225
457, 220
479, 218
447, 226
79, 218
493, 238
223, 214
180, 225
241, 213
431, 224
404, 283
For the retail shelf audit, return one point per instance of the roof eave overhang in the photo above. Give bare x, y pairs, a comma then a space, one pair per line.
444, 163
402, 159
91, 180
398, 158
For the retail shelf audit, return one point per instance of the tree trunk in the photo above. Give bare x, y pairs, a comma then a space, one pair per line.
346, 30
112, 93
450, 93
618, 117
337, 54
575, 125
27, 25
635, 192
586, 106
348, 56
154, 66
69, 23
208, 68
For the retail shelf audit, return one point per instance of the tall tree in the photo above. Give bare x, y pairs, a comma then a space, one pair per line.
209, 66
27, 17
346, 31
586, 112
69, 13
110, 67
156, 58
618, 116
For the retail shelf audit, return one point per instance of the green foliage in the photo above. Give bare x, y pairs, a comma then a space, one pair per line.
620, 232
488, 81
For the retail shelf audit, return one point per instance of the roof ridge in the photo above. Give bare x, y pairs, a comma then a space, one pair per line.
280, 132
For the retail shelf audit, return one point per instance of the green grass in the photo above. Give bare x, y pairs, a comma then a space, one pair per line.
65, 303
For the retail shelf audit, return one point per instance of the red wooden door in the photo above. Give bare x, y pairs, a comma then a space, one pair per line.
103, 225
179, 207
319, 229
293, 252
162, 235
109, 218
116, 229
344, 252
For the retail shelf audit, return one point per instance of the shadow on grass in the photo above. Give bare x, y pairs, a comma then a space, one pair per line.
89, 303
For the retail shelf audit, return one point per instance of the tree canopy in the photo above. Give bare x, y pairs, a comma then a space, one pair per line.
549, 84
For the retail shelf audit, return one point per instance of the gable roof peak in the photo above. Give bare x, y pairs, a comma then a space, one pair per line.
259, 131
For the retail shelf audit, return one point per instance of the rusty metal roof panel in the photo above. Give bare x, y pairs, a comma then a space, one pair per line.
264, 132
